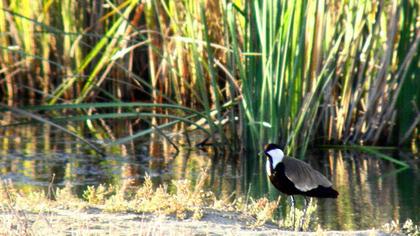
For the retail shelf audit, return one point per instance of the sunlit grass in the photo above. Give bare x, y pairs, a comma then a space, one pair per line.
186, 201
37, 212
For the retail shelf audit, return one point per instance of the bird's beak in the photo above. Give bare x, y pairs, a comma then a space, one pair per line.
262, 154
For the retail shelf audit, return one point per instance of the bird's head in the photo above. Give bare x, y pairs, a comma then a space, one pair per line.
274, 153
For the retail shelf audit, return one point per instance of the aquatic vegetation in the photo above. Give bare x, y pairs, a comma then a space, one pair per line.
296, 73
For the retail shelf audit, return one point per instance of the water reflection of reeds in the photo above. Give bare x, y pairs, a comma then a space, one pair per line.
372, 191
369, 192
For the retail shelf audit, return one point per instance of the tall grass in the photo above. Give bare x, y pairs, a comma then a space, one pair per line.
324, 69
296, 73
282, 83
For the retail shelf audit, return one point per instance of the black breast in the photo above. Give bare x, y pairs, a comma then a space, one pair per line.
281, 182
284, 185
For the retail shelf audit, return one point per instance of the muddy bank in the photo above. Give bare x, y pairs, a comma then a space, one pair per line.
96, 222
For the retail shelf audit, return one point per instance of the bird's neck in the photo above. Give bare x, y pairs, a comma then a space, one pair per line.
275, 157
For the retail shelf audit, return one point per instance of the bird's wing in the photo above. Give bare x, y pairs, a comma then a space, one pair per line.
304, 177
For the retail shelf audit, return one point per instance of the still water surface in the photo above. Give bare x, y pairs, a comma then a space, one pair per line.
372, 192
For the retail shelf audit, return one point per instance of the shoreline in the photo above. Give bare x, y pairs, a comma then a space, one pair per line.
188, 210
93, 221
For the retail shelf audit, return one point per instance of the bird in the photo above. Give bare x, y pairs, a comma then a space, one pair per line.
295, 177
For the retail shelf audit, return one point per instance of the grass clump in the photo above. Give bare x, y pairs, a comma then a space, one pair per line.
265, 210
407, 228
30, 213
300, 218
262, 209
39, 201
184, 202
98, 195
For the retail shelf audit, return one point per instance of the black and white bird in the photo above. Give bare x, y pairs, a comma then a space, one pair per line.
295, 177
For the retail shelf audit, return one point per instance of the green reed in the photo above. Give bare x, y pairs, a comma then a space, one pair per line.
323, 69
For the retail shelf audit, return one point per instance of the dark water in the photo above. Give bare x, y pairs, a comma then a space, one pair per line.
372, 191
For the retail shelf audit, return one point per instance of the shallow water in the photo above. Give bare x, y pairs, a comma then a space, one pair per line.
372, 191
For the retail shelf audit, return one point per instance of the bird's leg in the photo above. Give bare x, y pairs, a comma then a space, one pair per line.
293, 207
302, 221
